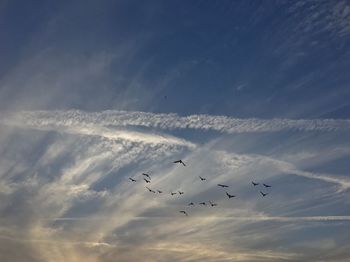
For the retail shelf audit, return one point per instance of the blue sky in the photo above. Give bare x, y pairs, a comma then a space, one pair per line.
95, 92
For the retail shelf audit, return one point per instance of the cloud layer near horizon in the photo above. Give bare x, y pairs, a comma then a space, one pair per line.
90, 210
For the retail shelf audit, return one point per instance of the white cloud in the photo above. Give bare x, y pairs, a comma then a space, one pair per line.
70, 211
84, 122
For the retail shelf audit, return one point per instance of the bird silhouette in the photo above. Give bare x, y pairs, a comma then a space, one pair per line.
263, 194
191, 204
202, 178
147, 181
147, 175
184, 212
222, 185
159, 191
131, 179
265, 185
180, 162
229, 196
173, 193
255, 184
150, 190
202, 203
181, 193
212, 204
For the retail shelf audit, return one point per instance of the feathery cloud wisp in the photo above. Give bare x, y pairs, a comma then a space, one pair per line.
224, 124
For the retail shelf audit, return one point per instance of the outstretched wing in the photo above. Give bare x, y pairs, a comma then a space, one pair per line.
147, 175
229, 196
184, 212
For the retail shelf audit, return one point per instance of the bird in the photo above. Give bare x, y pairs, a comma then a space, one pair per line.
263, 194
181, 193
180, 162
229, 196
173, 193
212, 204
147, 175
265, 185
202, 203
191, 204
184, 212
255, 184
222, 185
150, 190
159, 191
202, 178
131, 179
147, 181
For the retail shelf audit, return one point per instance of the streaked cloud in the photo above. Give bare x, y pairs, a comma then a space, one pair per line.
66, 225
224, 124
259, 93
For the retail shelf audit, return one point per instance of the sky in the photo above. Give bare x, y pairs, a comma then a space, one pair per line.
93, 93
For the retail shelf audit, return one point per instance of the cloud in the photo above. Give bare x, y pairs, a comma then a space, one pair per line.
344, 183
290, 169
194, 218
94, 129
224, 124
64, 174
323, 17
88, 209
104, 124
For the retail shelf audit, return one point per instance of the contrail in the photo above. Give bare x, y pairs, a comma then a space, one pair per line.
113, 125
56, 242
343, 182
233, 218
54, 122
287, 168
222, 124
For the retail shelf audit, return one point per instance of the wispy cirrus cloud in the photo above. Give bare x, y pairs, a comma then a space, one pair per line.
106, 124
121, 213
256, 218
224, 124
64, 187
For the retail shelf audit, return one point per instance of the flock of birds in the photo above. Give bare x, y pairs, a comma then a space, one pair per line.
147, 179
